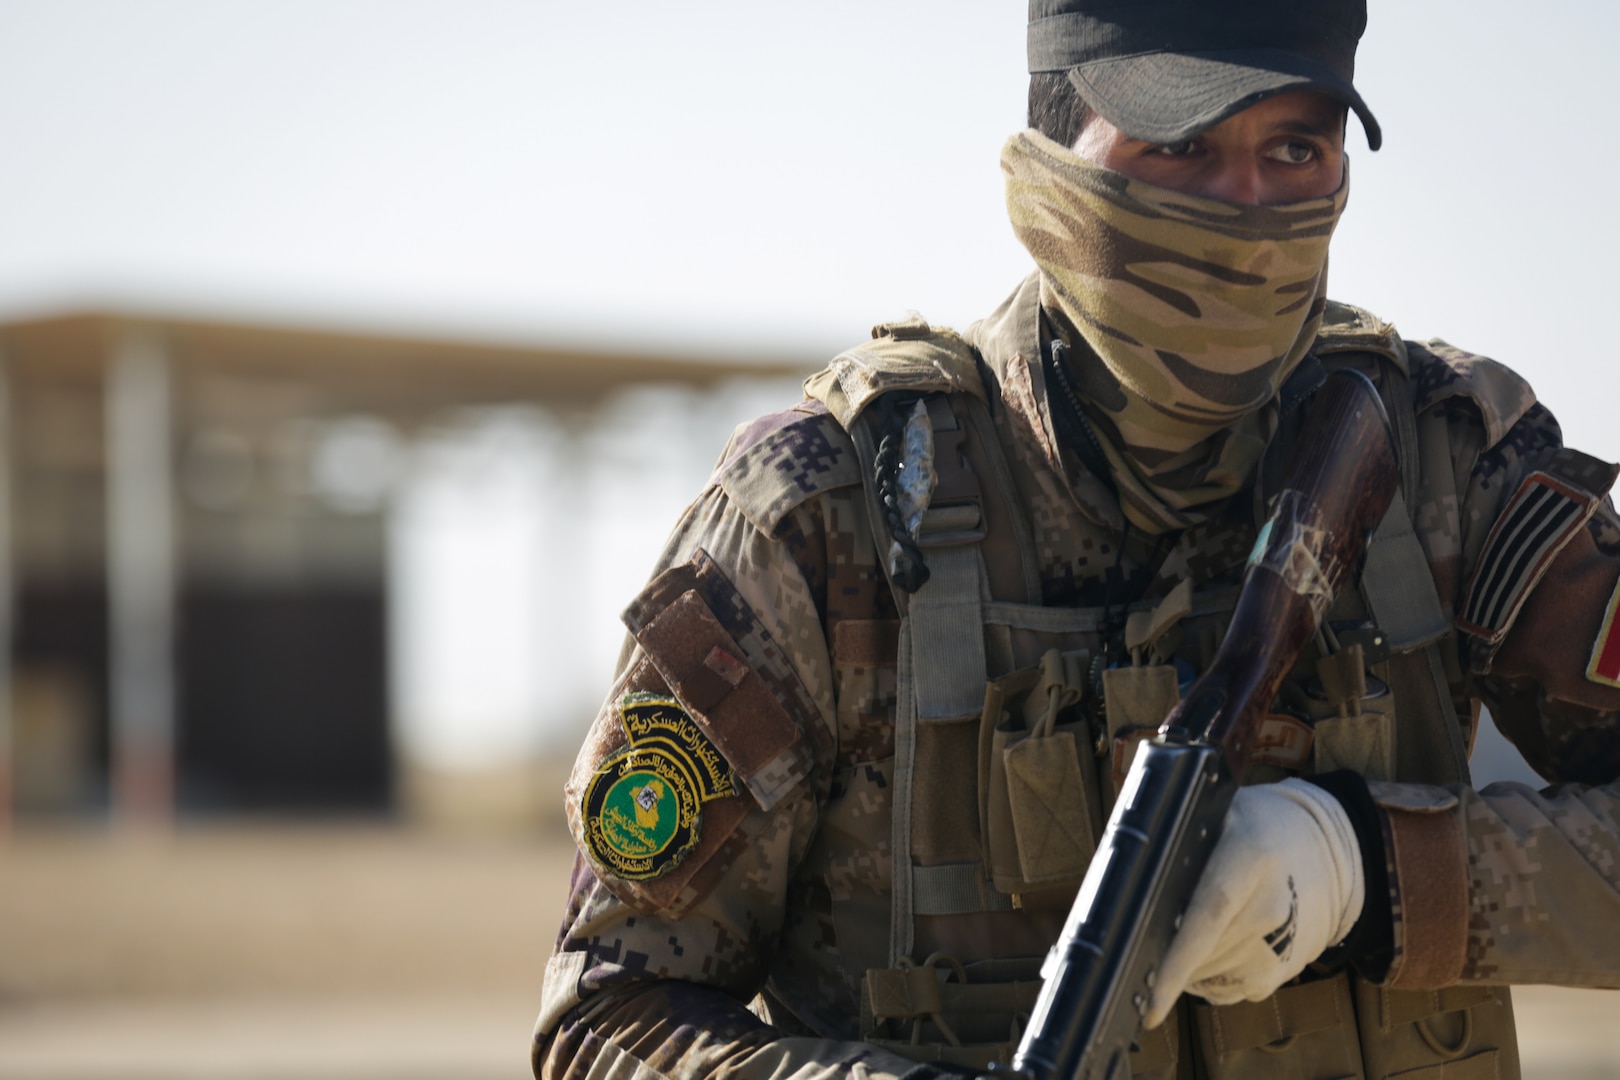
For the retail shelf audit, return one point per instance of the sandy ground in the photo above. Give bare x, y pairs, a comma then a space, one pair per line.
268, 952
350, 953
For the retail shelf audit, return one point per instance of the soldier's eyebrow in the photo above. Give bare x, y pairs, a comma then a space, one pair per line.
1320, 130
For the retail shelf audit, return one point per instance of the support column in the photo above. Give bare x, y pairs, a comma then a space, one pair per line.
141, 579
568, 528
8, 606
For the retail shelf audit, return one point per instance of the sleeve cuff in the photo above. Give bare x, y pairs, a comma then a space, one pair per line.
1428, 878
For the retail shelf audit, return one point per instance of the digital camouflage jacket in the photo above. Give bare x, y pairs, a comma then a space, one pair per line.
732, 909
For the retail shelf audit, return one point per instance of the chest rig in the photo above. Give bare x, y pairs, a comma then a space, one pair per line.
1013, 726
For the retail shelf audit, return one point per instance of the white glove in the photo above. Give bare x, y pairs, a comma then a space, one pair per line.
1284, 884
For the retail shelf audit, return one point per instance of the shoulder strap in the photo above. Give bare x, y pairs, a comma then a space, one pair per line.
1396, 582
947, 612
942, 669
943, 665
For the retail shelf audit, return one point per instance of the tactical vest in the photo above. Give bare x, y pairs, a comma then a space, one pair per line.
1004, 774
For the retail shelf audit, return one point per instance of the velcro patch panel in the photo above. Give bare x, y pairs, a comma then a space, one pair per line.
728, 674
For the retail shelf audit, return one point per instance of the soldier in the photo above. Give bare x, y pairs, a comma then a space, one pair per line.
880, 692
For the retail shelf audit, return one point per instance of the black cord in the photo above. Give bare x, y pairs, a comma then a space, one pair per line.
907, 569
1109, 632
1070, 419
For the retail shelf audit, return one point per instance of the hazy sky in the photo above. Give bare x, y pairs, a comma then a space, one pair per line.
727, 175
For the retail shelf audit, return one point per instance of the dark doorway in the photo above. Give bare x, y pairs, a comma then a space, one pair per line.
284, 699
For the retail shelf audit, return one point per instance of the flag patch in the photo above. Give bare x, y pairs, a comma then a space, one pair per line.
1604, 666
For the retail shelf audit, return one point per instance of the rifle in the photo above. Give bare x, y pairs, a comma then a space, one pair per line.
1169, 814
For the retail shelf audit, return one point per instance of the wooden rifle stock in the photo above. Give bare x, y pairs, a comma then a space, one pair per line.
1165, 824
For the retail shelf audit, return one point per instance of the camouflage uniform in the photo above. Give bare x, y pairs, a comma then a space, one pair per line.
771, 946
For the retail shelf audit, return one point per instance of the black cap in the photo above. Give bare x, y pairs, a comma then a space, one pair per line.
1164, 70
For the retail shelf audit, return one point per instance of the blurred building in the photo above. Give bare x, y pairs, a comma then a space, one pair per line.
254, 568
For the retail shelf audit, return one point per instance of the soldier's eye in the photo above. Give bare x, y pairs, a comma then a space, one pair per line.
1184, 148
1293, 153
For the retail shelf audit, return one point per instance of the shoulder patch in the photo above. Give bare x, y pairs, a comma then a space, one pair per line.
1549, 506
778, 461
1351, 329
910, 356
711, 724
1441, 372
642, 810
645, 751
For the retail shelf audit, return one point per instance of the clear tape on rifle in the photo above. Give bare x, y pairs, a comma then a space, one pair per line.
1293, 545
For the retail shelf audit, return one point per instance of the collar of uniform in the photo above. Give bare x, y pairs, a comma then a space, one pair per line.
1009, 340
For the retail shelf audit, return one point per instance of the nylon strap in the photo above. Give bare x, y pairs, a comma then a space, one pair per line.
1395, 582
1294, 1010
905, 758
1397, 585
947, 613
1450, 722
947, 636
1397, 1007
1062, 620
942, 673
954, 889
941, 677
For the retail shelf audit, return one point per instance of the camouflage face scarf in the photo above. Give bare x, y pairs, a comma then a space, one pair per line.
1197, 309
